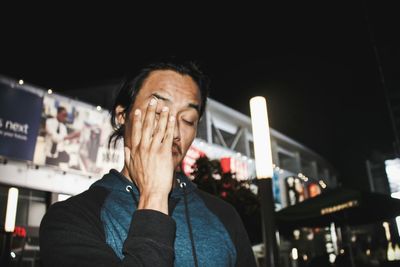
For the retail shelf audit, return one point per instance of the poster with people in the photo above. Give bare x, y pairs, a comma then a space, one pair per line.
276, 189
19, 121
313, 189
74, 137
295, 192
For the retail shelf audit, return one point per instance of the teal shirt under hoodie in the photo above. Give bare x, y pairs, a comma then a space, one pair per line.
143, 237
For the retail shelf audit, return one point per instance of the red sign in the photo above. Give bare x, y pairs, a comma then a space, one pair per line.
237, 166
19, 231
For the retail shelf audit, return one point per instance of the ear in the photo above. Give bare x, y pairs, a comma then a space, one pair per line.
120, 114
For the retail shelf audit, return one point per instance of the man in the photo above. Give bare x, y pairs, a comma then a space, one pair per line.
150, 213
56, 134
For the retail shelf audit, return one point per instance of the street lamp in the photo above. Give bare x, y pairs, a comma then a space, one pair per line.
264, 172
9, 225
11, 212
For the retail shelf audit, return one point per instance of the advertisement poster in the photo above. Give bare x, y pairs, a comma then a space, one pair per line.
19, 122
313, 189
74, 136
295, 190
276, 188
392, 168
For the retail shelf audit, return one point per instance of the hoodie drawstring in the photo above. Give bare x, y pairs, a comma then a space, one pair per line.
183, 186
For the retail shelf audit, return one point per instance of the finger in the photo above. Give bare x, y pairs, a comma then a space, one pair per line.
148, 123
169, 134
159, 132
127, 154
136, 133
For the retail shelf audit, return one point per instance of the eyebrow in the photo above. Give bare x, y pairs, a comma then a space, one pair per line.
190, 105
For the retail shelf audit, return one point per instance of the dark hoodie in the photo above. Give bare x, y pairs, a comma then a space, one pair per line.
101, 227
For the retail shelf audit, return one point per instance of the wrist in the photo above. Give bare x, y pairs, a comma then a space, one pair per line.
154, 201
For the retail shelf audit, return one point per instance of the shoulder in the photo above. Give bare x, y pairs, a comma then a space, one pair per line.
234, 226
82, 207
222, 209
91, 198
51, 121
211, 199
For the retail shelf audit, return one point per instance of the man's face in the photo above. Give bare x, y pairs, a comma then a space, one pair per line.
62, 116
182, 96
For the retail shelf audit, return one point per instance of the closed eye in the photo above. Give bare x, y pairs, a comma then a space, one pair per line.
191, 123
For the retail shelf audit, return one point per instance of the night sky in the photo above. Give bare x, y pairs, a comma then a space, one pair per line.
314, 63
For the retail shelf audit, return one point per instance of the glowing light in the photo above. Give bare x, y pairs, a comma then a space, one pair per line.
390, 252
332, 258
398, 223
98, 108
261, 137
310, 236
387, 231
342, 206
368, 252
21, 82
392, 168
296, 234
305, 257
295, 254
50, 91
13, 255
322, 184
11, 212
342, 251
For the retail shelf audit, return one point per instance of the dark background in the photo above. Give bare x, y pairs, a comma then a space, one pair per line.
315, 63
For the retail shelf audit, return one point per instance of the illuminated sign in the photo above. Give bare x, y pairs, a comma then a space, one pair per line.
339, 207
393, 174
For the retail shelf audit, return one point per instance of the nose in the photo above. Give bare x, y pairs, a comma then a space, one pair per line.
177, 133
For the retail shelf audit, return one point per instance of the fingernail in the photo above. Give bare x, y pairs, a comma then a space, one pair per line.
152, 102
164, 109
137, 112
172, 118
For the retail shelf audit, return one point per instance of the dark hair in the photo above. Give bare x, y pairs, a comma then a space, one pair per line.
132, 85
60, 109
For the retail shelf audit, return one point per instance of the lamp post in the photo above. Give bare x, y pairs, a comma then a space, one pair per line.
264, 172
9, 225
